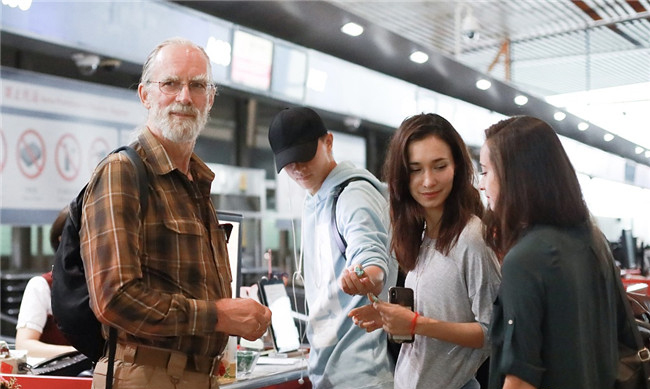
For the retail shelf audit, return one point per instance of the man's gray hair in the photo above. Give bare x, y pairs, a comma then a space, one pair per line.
148, 64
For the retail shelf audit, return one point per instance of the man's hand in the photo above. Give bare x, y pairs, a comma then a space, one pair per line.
361, 281
242, 317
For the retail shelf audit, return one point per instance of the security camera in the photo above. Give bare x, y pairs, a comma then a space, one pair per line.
86, 63
471, 34
110, 64
470, 27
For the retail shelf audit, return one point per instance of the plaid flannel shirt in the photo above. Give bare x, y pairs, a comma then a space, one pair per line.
155, 278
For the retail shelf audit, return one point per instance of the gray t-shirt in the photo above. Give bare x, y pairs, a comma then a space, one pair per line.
460, 287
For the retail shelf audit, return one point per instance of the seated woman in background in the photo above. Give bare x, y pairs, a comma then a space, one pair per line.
555, 318
36, 330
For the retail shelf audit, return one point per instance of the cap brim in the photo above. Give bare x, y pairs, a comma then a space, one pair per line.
299, 153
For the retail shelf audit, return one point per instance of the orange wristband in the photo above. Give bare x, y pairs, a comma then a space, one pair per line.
414, 322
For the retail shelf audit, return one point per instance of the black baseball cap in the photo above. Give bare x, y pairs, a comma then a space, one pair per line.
293, 135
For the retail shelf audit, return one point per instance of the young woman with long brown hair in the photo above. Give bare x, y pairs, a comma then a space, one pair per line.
555, 319
436, 236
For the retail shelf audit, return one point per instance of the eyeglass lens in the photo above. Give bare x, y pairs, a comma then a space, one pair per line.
174, 87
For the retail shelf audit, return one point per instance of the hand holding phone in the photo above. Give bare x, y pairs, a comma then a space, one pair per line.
404, 297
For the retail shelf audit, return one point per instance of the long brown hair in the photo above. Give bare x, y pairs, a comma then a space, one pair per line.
406, 215
537, 182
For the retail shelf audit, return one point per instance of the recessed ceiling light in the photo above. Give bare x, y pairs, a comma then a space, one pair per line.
23, 5
352, 29
608, 137
583, 126
219, 51
483, 84
419, 57
647, 153
521, 100
638, 149
559, 116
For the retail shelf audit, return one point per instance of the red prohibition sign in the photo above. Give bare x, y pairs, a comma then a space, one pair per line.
3, 150
67, 157
31, 153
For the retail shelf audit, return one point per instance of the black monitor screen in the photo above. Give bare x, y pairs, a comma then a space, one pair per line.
234, 247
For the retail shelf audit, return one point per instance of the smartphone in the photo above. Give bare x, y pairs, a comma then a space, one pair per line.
404, 297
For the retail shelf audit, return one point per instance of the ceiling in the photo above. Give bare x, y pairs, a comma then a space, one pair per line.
556, 46
542, 47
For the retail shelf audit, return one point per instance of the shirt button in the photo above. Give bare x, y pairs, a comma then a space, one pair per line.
510, 322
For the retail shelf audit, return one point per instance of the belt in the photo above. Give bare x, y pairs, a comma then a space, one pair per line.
175, 362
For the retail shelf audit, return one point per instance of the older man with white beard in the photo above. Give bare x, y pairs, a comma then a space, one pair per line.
161, 275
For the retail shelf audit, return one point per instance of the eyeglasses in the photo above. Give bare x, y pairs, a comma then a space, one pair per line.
172, 88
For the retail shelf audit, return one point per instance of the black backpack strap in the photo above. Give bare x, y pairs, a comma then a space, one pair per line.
112, 347
140, 173
143, 183
335, 232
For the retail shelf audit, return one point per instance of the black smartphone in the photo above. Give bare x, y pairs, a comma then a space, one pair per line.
404, 297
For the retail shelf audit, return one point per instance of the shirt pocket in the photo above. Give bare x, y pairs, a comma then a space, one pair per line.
184, 226
173, 241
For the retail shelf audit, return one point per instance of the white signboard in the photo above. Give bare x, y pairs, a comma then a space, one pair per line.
60, 101
48, 161
53, 133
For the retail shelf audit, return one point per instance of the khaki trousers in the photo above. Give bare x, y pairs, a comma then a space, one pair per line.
146, 367
131, 376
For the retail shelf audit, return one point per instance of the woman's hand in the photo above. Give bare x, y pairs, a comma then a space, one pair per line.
396, 319
366, 317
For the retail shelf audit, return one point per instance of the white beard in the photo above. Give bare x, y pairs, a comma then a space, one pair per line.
180, 130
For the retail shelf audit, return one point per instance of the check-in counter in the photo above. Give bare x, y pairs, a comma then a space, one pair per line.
284, 376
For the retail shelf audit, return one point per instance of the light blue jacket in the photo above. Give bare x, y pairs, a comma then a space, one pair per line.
343, 355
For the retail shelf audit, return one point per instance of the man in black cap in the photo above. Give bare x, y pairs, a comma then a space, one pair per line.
337, 276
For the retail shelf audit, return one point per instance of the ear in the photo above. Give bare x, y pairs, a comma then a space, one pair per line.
211, 98
143, 93
328, 139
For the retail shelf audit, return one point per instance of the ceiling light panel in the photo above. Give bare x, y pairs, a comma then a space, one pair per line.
352, 29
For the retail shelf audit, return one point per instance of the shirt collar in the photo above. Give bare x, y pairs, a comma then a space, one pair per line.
161, 164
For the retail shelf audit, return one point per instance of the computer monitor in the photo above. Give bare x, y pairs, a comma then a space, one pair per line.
284, 332
627, 243
234, 247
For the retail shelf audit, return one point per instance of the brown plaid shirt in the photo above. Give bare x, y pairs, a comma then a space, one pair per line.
155, 282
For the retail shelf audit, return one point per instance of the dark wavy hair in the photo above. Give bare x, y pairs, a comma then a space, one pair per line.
57, 228
406, 215
537, 182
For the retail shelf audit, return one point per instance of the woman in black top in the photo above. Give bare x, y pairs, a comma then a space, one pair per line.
555, 319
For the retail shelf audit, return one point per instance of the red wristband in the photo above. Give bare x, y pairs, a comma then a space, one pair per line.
414, 322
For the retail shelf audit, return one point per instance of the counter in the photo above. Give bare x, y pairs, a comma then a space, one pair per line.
284, 376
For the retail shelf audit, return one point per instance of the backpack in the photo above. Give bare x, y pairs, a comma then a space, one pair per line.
70, 299
336, 233
392, 347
